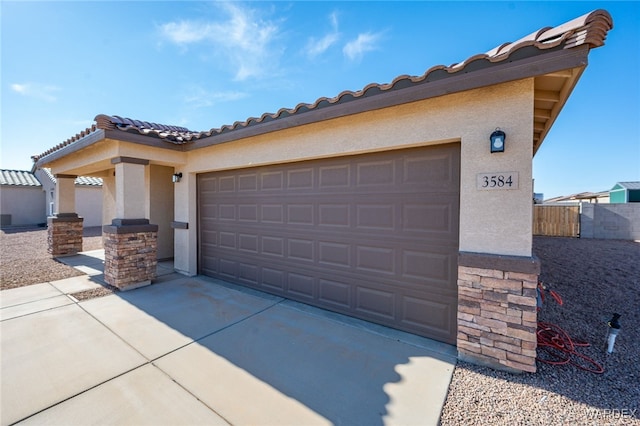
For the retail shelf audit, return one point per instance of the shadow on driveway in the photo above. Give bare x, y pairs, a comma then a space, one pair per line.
249, 357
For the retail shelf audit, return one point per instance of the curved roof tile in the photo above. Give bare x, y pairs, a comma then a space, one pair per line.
18, 178
80, 180
590, 29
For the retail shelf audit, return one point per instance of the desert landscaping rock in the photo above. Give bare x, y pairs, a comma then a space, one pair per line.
595, 278
24, 259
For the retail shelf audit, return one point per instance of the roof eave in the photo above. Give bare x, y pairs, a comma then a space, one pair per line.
502, 72
84, 142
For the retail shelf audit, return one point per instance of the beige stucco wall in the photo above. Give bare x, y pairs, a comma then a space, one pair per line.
160, 207
64, 193
132, 197
24, 204
108, 198
89, 204
497, 222
185, 258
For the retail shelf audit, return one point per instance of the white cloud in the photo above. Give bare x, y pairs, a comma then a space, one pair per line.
197, 97
366, 42
244, 39
185, 32
36, 91
317, 47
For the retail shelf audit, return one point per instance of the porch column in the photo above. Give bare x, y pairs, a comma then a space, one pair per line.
497, 315
64, 228
130, 242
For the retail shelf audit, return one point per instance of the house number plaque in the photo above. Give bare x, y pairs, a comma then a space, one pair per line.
497, 181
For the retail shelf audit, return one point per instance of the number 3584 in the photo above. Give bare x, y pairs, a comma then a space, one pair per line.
497, 181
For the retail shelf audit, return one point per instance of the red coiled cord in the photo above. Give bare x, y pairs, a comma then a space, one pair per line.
558, 347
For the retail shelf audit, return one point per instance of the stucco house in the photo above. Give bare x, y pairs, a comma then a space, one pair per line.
21, 199
387, 204
28, 197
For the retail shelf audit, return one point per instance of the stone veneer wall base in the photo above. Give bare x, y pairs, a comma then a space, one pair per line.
64, 234
130, 253
497, 317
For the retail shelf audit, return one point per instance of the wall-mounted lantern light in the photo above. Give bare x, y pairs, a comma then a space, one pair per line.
176, 177
497, 140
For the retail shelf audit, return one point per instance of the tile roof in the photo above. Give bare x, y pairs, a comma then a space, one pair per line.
588, 30
18, 178
80, 180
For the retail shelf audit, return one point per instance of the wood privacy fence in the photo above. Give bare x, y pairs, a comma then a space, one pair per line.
556, 221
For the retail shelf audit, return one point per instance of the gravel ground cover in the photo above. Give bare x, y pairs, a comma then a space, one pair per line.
595, 278
24, 259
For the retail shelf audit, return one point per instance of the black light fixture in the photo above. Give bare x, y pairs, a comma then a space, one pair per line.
176, 177
497, 140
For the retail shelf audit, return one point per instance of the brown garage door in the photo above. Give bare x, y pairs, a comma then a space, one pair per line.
374, 236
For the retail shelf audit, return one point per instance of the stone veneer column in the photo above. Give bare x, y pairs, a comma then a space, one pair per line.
130, 242
130, 248
497, 315
64, 234
64, 228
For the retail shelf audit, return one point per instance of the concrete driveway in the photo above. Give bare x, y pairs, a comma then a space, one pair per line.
201, 351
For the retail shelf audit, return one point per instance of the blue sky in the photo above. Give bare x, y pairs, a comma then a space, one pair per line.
205, 64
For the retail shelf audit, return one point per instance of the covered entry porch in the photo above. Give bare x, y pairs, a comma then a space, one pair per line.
138, 204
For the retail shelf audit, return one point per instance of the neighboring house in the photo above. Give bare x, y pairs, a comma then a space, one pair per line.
625, 192
21, 199
387, 204
601, 197
88, 196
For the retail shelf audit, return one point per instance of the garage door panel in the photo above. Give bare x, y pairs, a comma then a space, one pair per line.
301, 285
228, 268
422, 313
227, 212
378, 173
438, 268
227, 184
207, 184
376, 259
273, 279
248, 273
248, 243
374, 236
300, 249
434, 171
248, 213
435, 316
332, 177
272, 213
300, 178
272, 246
376, 302
332, 253
247, 182
227, 240
335, 214
335, 293
300, 214
272, 181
